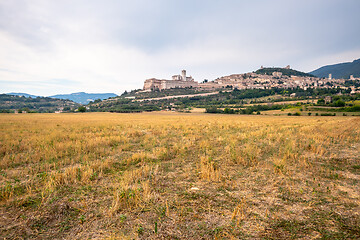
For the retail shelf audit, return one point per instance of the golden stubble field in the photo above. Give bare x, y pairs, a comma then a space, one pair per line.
179, 176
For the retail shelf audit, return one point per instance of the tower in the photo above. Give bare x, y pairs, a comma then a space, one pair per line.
183, 73
330, 76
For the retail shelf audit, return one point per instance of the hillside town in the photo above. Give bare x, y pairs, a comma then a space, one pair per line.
250, 80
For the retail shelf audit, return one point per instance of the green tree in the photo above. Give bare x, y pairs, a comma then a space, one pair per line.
229, 111
339, 103
321, 101
82, 109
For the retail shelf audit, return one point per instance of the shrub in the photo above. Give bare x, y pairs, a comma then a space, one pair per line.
327, 114
321, 101
355, 108
339, 103
82, 109
213, 110
229, 111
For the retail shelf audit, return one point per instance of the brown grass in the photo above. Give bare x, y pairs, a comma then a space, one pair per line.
179, 176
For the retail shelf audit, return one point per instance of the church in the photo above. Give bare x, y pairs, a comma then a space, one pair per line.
178, 81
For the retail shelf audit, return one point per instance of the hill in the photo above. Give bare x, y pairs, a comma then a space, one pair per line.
284, 71
84, 98
10, 103
225, 98
341, 70
22, 94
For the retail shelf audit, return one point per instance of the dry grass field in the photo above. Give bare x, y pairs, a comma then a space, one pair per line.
179, 176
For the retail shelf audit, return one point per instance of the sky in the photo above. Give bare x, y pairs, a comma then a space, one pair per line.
51, 47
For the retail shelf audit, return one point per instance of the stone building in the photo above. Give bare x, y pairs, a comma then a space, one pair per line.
277, 74
178, 81
328, 99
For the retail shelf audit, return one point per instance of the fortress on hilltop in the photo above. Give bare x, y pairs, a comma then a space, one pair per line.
178, 81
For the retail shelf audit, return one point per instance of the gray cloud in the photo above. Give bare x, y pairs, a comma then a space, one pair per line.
108, 45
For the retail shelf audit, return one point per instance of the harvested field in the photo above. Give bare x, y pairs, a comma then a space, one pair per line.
179, 176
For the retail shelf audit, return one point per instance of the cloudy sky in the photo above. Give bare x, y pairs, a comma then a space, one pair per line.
50, 47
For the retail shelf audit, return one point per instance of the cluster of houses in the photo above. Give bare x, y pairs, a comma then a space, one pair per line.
277, 80
246, 81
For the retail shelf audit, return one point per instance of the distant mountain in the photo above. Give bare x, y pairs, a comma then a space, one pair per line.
84, 98
341, 70
285, 71
22, 94
10, 103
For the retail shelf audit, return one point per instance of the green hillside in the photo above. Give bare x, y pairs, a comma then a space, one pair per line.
284, 71
10, 103
228, 98
341, 70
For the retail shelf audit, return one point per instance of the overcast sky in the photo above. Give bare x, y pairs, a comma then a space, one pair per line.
50, 47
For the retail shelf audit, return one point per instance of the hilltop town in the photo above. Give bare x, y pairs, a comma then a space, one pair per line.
280, 88
264, 78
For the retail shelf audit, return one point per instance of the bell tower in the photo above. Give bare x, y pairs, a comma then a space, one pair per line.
183, 73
